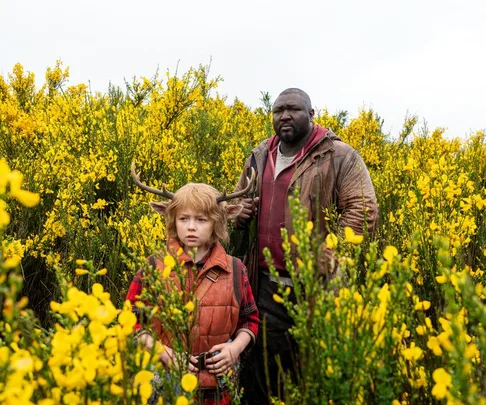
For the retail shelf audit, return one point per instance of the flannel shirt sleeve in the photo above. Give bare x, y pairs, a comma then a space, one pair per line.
248, 319
133, 293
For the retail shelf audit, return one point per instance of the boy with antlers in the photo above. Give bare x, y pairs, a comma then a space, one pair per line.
227, 317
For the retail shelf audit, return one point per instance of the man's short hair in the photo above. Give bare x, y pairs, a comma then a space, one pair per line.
302, 93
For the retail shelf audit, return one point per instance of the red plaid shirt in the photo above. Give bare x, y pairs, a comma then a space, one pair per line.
248, 317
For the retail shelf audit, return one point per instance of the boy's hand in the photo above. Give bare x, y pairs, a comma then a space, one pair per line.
169, 359
167, 356
221, 363
146, 340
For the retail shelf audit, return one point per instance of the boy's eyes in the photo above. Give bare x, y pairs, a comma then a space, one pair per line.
199, 219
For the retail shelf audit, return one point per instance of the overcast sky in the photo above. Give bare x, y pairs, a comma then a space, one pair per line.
424, 57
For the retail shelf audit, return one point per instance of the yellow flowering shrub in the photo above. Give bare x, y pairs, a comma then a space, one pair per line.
401, 323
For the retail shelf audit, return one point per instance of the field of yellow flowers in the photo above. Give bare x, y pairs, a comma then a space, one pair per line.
406, 326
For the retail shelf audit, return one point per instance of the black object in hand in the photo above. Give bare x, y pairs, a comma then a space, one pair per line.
201, 359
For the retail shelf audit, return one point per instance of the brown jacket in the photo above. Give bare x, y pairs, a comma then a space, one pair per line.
331, 175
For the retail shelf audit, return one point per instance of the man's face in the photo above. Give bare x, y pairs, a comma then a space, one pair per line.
292, 119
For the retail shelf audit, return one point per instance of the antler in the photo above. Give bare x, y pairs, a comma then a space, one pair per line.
136, 178
249, 186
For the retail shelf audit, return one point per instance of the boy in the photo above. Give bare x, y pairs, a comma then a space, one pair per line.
227, 316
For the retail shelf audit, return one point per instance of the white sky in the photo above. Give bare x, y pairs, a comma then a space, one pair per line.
424, 57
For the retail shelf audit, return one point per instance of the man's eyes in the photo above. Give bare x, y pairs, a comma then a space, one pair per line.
280, 110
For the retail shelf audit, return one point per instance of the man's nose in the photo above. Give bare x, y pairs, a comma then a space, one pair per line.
285, 115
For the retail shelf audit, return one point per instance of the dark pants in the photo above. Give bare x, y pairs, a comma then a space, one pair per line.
274, 340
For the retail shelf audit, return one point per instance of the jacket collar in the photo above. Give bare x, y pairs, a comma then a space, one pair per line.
217, 257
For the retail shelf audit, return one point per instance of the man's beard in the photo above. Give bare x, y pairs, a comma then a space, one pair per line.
294, 136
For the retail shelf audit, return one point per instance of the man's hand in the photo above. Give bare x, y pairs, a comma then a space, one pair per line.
250, 206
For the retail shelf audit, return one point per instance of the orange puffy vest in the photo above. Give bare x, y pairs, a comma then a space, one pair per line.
217, 290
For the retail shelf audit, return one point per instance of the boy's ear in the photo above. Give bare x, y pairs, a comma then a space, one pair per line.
233, 210
160, 207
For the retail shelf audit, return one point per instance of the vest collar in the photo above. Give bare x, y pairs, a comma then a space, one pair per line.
217, 258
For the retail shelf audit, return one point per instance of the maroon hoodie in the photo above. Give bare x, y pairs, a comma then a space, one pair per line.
273, 197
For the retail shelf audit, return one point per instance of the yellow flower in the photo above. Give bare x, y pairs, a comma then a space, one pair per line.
329, 370
412, 353
189, 382
309, 226
4, 355
331, 241
390, 253
294, 240
81, 272
166, 272
46, 401
189, 306
351, 237
127, 320
4, 215
182, 400
443, 381
80, 262
278, 299
143, 376
145, 391
116, 390
422, 306
12, 262
26, 198
71, 398
100, 204
434, 344
409, 288
102, 272
441, 279
169, 261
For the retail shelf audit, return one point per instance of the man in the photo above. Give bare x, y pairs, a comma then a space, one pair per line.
330, 174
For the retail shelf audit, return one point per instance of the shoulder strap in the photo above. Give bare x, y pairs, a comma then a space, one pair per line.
212, 278
209, 279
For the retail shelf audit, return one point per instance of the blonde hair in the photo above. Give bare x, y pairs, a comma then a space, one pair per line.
202, 198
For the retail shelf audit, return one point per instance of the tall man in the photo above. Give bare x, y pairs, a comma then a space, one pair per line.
330, 174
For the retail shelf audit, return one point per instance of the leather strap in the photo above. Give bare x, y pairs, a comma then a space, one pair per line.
209, 279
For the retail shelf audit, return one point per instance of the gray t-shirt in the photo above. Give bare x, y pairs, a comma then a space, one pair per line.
282, 162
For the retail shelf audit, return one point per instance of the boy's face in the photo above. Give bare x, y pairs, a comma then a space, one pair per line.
194, 229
